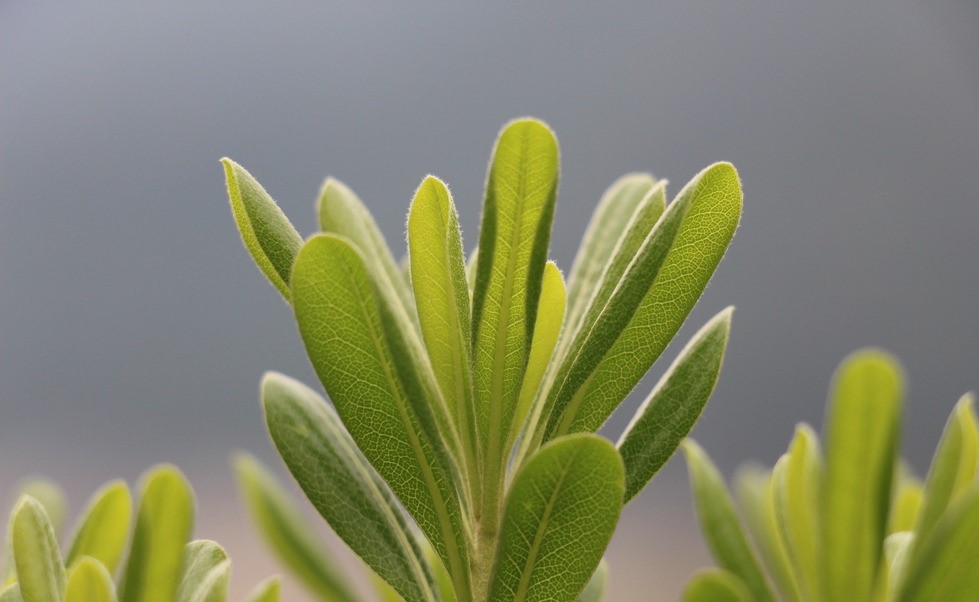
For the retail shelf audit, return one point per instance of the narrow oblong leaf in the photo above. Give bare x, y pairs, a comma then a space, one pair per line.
719, 522
11, 593
906, 505
341, 212
365, 363
344, 489
201, 557
595, 589
442, 297
943, 566
269, 237
861, 423
666, 417
164, 523
610, 219
103, 530
267, 591
51, 497
716, 585
619, 340
39, 570
521, 191
287, 533
90, 581
754, 491
953, 469
214, 585
896, 553
559, 516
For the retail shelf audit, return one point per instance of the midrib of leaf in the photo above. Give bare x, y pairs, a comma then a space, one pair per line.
527, 572
448, 533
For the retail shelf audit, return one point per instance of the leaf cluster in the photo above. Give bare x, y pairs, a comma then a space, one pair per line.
843, 518
458, 458
113, 555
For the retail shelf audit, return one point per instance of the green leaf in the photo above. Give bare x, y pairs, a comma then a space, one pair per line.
89, 581
611, 217
11, 593
559, 516
797, 483
521, 191
370, 373
896, 548
51, 497
204, 560
268, 235
39, 570
754, 489
103, 530
907, 503
266, 591
953, 469
861, 441
675, 404
716, 585
164, 523
442, 297
719, 522
595, 589
284, 529
620, 339
345, 490
943, 567
547, 328
342, 212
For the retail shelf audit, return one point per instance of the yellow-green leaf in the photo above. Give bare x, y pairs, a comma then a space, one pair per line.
201, 559
89, 581
716, 585
266, 591
40, 574
103, 530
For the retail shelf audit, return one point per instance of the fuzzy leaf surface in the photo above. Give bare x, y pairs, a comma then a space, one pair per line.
90, 581
40, 574
103, 530
716, 585
559, 516
201, 558
266, 591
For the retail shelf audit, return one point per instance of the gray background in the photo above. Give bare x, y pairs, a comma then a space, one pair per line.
134, 329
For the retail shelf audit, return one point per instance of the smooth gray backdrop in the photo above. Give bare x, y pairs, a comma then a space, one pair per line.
134, 329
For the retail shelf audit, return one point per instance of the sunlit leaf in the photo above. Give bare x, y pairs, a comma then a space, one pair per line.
89, 581
103, 530
39, 570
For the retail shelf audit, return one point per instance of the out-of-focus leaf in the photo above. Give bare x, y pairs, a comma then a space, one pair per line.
595, 589
103, 529
201, 558
39, 570
716, 585
266, 591
521, 191
896, 548
342, 212
797, 486
907, 502
943, 566
953, 469
346, 491
719, 522
164, 523
11, 593
286, 532
52, 498
268, 235
671, 410
373, 381
620, 339
559, 516
89, 581
756, 497
861, 441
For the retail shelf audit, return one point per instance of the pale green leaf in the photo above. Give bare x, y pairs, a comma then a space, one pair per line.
906, 505
51, 497
756, 497
675, 404
943, 566
442, 297
364, 360
953, 469
285, 530
896, 554
103, 529
471, 271
266, 591
719, 522
342, 486
595, 589
716, 585
39, 570
201, 557
620, 339
341, 212
268, 235
11, 593
164, 523
861, 440
560, 514
89, 581
797, 487
521, 191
